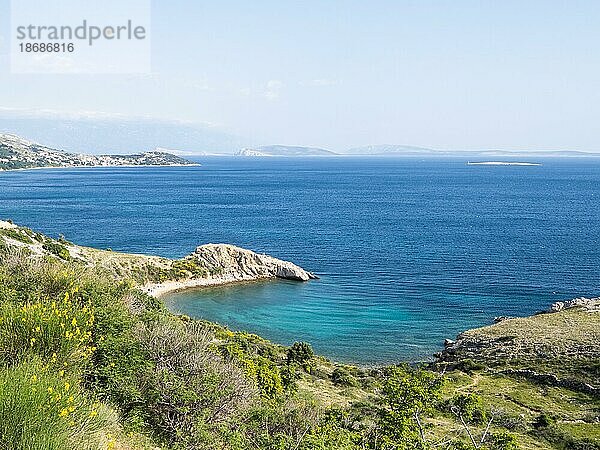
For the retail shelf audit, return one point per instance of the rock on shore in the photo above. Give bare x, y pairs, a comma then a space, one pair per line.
208, 265
239, 263
561, 344
580, 302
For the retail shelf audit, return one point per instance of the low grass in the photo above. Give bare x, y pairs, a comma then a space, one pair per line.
518, 405
88, 361
566, 345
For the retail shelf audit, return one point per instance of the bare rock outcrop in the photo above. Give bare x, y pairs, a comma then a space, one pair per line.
590, 304
238, 263
560, 347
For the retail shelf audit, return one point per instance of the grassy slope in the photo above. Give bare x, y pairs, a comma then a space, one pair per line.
140, 269
563, 344
546, 364
566, 345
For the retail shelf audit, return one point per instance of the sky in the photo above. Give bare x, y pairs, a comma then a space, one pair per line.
455, 74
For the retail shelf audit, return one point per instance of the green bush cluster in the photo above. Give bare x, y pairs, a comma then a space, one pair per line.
181, 269
89, 361
41, 407
190, 267
342, 377
57, 249
301, 354
46, 345
17, 235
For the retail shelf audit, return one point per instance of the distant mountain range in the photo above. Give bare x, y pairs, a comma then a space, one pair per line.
104, 134
284, 150
98, 133
19, 153
402, 151
388, 150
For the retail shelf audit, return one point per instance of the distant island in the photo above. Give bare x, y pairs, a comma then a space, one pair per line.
502, 163
18, 153
399, 151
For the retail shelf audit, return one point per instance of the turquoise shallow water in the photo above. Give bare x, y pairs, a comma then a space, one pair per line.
409, 251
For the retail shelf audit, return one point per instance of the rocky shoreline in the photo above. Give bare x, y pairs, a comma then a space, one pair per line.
208, 265
17, 153
559, 346
231, 264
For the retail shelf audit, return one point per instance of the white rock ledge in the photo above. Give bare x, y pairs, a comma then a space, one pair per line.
239, 262
232, 264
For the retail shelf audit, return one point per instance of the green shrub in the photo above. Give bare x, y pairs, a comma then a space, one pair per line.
296, 423
300, 353
57, 249
264, 373
583, 444
408, 395
43, 409
543, 421
58, 330
289, 377
341, 377
17, 235
468, 407
187, 385
189, 267
502, 441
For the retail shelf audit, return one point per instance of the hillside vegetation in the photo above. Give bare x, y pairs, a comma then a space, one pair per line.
89, 361
19, 153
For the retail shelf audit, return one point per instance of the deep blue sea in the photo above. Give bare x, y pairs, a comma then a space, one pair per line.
409, 251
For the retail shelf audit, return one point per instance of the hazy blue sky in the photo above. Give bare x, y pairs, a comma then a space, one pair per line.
448, 74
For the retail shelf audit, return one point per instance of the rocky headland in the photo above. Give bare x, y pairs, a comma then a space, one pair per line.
18, 153
208, 265
228, 264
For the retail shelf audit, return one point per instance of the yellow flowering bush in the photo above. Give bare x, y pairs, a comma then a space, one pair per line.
58, 329
57, 412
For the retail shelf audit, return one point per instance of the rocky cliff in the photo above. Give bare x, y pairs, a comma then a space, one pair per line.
236, 262
208, 265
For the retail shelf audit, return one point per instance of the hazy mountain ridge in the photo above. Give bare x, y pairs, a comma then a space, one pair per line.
409, 150
284, 150
122, 135
95, 133
19, 153
393, 150
387, 149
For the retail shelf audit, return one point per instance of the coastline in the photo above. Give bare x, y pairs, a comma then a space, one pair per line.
208, 265
98, 166
501, 163
158, 290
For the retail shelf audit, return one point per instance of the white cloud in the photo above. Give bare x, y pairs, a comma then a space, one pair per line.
45, 113
273, 89
320, 82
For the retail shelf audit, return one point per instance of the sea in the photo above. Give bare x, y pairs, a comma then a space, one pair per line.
409, 251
